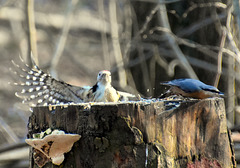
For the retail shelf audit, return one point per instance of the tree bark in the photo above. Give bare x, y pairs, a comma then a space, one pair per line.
176, 133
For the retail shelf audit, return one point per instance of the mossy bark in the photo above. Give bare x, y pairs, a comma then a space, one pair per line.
177, 133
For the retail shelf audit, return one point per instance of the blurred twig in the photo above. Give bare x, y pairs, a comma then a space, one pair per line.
220, 57
156, 1
4, 3
163, 19
63, 38
138, 44
54, 20
128, 28
231, 66
32, 42
161, 61
7, 132
14, 156
152, 68
141, 31
236, 11
195, 26
10, 147
115, 42
126, 38
207, 49
229, 34
19, 35
104, 39
204, 5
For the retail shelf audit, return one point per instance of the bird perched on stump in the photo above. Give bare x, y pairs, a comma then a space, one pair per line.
39, 88
191, 88
103, 91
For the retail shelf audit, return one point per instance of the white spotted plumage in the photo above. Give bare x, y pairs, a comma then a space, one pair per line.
53, 101
40, 101
32, 96
50, 98
40, 94
30, 90
39, 88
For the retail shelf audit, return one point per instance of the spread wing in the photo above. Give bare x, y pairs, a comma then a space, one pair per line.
109, 94
124, 96
39, 88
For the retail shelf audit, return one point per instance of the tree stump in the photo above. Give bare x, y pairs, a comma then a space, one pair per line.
165, 133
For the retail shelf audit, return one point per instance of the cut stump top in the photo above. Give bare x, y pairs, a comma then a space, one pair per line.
177, 132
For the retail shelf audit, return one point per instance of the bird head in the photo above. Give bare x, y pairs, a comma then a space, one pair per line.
104, 77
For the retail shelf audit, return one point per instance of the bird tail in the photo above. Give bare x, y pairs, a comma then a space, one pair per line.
164, 83
124, 96
221, 94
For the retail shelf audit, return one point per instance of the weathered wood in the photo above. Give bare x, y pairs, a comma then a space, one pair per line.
177, 133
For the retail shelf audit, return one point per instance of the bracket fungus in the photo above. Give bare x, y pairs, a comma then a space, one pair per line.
52, 146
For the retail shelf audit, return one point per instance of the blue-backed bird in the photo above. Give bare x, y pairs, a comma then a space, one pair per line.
191, 88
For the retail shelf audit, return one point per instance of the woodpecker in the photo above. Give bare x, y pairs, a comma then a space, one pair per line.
39, 88
103, 91
191, 88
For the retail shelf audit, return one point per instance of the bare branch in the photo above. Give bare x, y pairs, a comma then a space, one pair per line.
223, 39
53, 20
105, 48
192, 44
163, 19
142, 56
229, 34
142, 30
204, 5
156, 1
63, 38
7, 132
231, 70
162, 62
6, 3
116, 45
199, 24
32, 42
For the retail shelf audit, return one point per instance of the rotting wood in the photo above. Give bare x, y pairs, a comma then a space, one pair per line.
165, 133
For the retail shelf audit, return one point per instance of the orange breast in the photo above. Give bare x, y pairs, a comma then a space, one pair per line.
199, 95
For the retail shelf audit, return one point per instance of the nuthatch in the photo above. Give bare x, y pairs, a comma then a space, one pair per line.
191, 88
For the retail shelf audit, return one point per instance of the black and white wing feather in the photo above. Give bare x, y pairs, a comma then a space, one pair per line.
39, 88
